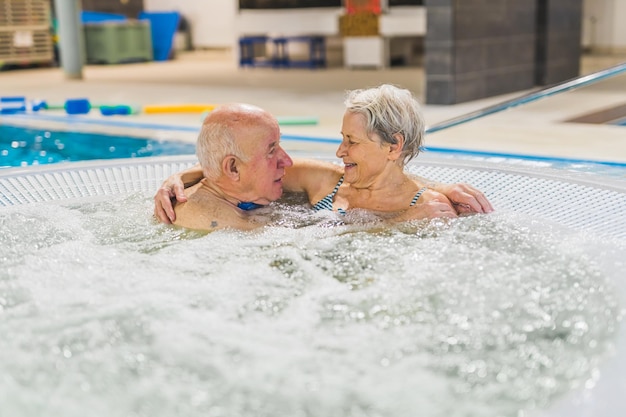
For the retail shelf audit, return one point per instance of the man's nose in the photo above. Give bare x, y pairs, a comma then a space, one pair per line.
285, 160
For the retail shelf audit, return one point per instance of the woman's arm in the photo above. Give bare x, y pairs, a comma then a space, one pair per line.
174, 187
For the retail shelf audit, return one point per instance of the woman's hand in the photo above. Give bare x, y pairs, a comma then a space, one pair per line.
172, 188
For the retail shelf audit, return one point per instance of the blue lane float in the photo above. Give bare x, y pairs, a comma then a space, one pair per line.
121, 110
10, 105
18, 104
77, 106
83, 106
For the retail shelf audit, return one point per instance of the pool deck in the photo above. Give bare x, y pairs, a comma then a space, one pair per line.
212, 77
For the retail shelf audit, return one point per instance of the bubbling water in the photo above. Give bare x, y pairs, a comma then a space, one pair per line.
105, 313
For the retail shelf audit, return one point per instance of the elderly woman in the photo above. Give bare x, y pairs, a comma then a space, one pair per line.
382, 130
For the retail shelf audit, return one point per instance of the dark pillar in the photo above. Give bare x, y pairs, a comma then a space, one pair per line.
559, 31
481, 48
478, 48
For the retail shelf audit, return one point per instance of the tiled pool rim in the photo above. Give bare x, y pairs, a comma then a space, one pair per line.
574, 200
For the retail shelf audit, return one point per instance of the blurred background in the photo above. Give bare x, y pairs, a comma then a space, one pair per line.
467, 49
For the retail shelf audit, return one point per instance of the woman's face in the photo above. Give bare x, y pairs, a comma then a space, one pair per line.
364, 158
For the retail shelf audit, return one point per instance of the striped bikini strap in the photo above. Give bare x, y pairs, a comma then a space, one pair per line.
417, 196
337, 186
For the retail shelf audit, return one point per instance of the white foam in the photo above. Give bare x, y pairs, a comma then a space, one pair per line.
105, 310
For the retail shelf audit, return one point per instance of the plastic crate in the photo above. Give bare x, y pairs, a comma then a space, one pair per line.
24, 13
25, 35
118, 42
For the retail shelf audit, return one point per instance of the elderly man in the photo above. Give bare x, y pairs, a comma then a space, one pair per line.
243, 165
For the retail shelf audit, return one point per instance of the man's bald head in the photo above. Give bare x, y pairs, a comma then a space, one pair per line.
231, 129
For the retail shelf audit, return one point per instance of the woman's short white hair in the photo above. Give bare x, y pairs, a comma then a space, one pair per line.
389, 111
215, 142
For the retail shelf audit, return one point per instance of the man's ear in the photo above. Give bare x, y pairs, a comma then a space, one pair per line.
230, 167
395, 149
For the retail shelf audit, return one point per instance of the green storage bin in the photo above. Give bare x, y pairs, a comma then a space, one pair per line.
117, 42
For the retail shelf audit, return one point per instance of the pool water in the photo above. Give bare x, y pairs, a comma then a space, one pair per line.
105, 311
22, 147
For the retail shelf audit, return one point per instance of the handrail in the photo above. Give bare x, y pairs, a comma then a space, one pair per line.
545, 92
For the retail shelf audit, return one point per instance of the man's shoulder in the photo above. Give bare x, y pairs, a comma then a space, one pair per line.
201, 211
205, 211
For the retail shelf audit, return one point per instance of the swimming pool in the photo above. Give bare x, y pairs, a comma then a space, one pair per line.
24, 146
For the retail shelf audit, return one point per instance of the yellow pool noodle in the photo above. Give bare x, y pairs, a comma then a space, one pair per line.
177, 108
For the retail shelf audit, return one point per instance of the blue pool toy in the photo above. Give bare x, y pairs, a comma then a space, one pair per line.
77, 106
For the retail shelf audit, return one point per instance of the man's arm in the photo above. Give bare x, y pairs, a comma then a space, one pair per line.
311, 176
431, 205
464, 197
315, 177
